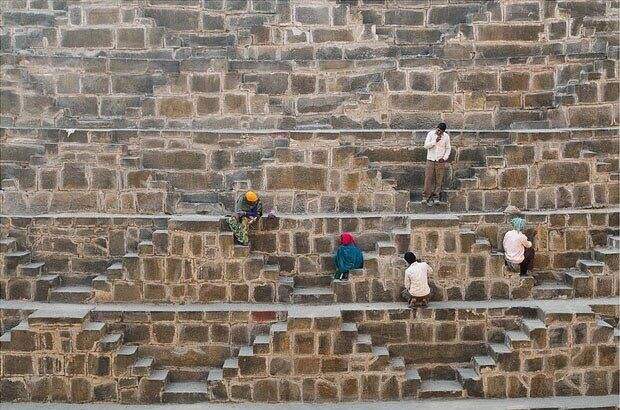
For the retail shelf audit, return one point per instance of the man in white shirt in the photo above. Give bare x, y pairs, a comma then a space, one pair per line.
417, 291
518, 250
438, 148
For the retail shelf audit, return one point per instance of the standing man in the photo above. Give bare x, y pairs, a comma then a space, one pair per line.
438, 151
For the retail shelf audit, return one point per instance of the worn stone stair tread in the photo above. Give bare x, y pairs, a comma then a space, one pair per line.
397, 363
94, 326
127, 350
262, 339
231, 363
159, 375
116, 266
467, 373
607, 250
441, 386
313, 291
516, 336
17, 254
380, 351
56, 315
73, 289
591, 262
215, 375
348, 327
500, 348
33, 265
246, 351
364, 339
412, 374
130, 255
142, 362
552, 286
111, 338
186, 387
533, 324
49, 278
484, 361
279, 327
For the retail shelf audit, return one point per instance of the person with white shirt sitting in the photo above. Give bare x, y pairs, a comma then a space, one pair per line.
416, 292
518, 250
438, 148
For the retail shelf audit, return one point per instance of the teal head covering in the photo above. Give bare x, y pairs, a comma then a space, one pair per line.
518, 223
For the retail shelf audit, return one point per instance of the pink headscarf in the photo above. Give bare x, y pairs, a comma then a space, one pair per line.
347, 239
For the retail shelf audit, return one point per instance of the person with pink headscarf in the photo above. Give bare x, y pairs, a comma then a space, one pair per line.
348, 256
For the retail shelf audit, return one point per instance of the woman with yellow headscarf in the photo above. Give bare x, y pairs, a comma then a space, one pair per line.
247, 210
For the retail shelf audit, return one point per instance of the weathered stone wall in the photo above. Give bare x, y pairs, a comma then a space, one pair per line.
310, 359
57, 170
186, 259
282, 64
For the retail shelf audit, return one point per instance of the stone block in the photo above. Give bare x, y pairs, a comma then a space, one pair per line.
563, 172
174, 18
87, 38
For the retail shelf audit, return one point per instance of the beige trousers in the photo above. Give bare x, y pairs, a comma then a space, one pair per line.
433, 178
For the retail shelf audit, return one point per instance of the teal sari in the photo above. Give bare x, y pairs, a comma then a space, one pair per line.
347, 257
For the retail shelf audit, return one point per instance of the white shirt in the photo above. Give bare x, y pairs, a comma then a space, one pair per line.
416, 279
515, 243
437, 150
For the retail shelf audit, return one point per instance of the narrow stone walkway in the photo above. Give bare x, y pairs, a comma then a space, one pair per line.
199, 217
578, 402
572, 305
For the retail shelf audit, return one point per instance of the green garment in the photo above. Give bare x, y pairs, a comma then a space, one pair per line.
347, 257
251, 210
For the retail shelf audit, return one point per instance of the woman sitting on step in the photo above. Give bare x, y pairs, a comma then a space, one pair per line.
348, 256
247, 210
417, 292
518, 250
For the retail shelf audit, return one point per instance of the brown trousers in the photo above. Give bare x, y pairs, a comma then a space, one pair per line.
433, 178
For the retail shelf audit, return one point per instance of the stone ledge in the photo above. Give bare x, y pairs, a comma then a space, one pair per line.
58, 309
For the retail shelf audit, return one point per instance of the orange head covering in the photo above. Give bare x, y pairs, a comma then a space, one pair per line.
251, 197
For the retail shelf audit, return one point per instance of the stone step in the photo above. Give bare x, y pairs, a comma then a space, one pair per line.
115, 271
581, 282
363, 343
397, 364
101, 283
261, 344
185, 392
71, 294
8, 245
483, 362
278, 327
609, 256
536, 330
349, 328
467, 183
125, 358
430, 389
111, 342
613, 241
517, 339
549, 290
142, 366
231, 367
592, 267
481, 245
215, 376
422, 207
146, 247
384, 248
58, 316
470, 380
15, 258
188, 373
311, 281
32, 269
314, 295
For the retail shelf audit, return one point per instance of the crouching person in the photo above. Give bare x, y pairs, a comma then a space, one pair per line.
416, 292
348, 256
518, 250
247, 210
